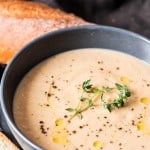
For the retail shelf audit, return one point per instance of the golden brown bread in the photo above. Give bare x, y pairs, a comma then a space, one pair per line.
12, 0
6, 144
21, 22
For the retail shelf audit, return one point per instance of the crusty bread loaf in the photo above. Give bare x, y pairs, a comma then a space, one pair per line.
6, 144
10, 0
22, 21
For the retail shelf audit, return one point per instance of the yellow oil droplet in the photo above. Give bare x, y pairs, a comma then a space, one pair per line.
125, 80
59, 122
60, 140
59, 134
145, 100
56, 140
97, 144
140, 126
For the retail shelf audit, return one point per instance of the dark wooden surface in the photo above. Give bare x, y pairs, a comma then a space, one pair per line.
133, 15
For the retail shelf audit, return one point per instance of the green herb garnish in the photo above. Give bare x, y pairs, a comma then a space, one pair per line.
91, 95
86, 86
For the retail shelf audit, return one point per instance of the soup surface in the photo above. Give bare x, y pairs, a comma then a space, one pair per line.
69, 102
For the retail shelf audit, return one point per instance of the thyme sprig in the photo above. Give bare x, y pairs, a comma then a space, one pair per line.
91, 95
119, 101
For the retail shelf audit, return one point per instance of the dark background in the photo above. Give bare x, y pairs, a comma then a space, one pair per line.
133, 15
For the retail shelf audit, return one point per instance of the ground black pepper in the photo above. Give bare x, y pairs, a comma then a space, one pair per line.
41, 122
49, 95
120, 128
100, 62
100, 130
117, 68
43, 131
74, 132
65, 116
147, 84
80, 127
54, 86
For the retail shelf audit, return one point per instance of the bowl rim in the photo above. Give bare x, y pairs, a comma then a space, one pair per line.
23, 49
81, 27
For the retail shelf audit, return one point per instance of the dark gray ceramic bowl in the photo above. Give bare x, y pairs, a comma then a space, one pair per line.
57, 42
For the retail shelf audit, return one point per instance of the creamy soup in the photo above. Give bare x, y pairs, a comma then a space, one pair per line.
87, 99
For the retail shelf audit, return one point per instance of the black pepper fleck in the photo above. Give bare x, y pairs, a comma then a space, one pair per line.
148, 84
133, 122
54, 86
100, 62
65, 116
74, 132
100, 130
41, 122
49, 95
142, 146
138, 136
117, 68
120, 128
42, 129
80, 127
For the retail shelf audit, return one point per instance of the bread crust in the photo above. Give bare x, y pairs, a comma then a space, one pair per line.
22, 21
6, 144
